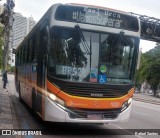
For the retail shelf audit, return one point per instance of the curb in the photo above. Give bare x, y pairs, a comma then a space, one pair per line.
8, 118
146, 100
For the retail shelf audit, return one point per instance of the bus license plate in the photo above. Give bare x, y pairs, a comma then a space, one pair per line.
94, 116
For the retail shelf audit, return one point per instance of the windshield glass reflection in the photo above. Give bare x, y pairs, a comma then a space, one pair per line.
96, 57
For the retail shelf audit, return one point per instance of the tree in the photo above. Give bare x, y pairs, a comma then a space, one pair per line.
153, 76
1, 44
150, 68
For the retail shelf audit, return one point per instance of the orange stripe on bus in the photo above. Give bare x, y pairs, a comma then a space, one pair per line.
52, 88
89, 103
94, 103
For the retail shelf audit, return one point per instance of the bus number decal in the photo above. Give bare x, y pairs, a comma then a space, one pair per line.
67, 70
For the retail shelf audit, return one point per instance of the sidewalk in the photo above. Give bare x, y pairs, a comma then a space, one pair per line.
143, 97
6, 120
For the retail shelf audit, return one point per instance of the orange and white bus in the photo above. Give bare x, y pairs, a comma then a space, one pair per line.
78, 64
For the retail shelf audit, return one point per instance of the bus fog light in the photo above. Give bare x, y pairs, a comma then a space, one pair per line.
56, 99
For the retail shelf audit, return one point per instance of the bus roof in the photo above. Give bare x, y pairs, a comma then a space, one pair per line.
94, 6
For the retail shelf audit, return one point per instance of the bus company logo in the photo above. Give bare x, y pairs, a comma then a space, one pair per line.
70, 103
96, 103
115, 104
96, 95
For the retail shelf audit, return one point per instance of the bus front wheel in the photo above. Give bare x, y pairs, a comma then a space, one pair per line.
34, 105
19, 91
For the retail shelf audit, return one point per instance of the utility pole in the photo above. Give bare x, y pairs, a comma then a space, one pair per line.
7, 20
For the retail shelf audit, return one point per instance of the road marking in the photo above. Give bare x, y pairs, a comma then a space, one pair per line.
140, 113
124, 130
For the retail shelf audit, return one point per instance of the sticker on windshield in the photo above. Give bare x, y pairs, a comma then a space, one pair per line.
67, 70
93, 75
102, 78
103, 68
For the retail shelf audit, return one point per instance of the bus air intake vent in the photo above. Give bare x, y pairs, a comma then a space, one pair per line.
83, 113
92, 90
96, 91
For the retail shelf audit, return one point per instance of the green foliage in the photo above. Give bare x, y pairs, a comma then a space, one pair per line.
150, 68
1, 44
153, 76
10, 69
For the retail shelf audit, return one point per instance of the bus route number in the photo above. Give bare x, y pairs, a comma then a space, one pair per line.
67, 70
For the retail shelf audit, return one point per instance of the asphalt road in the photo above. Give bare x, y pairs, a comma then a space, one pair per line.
143, 116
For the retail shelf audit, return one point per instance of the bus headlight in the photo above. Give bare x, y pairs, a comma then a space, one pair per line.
129, 101
126, 104
56, 99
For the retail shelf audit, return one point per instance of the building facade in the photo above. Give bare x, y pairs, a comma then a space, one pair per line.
21, 27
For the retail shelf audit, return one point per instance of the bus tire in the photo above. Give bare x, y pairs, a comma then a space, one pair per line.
34, 101
19, 92
34, 105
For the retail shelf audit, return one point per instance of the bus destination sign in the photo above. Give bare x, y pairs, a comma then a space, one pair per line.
97, 16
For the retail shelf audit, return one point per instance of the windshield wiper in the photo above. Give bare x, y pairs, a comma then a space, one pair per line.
118, 41
83, 40
120, 37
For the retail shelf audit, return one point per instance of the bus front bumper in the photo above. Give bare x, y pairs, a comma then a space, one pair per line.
57, 113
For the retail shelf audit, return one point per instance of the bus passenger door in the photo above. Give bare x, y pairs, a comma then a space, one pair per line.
41, 66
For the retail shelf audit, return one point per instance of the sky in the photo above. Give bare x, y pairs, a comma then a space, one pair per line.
36, 9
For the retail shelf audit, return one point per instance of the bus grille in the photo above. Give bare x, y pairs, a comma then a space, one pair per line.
92, 90
106, 114
96, 91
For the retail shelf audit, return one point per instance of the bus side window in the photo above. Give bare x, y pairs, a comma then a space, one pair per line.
17, 59
44, 40
32, 49
30, 45
20, 57
27, 55
33, 57
36, 44
22, 54
44, 36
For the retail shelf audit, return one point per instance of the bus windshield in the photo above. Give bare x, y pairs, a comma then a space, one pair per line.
95, 58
